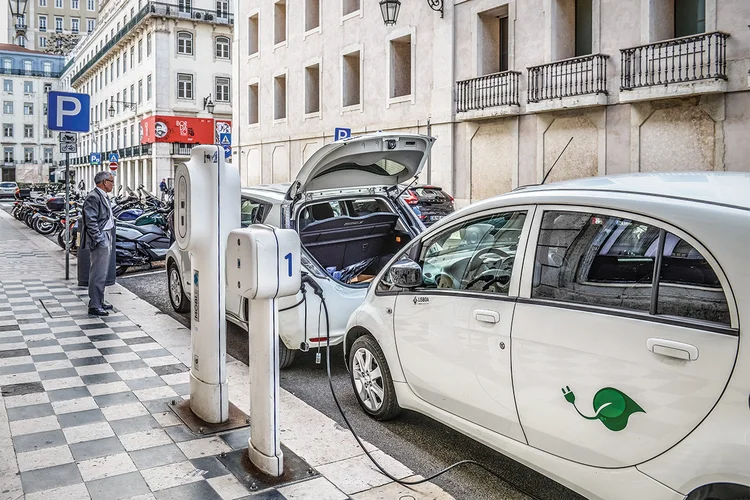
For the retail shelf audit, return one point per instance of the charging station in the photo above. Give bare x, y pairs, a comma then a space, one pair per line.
263, 264
207, 201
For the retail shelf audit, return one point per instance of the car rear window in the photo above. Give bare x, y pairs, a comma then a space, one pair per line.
8, 184
430, 193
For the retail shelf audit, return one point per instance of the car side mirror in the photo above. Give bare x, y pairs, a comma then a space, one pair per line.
406, 274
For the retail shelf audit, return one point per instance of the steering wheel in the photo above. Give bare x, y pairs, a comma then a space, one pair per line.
494, 276
476, 260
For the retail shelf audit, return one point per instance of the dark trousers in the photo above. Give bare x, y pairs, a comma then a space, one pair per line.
98, 269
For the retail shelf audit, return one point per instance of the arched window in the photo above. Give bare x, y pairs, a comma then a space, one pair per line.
185, 43
222, 47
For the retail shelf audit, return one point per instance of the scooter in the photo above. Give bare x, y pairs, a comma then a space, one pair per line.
145, 241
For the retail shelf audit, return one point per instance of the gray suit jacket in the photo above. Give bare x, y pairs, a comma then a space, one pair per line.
95, 217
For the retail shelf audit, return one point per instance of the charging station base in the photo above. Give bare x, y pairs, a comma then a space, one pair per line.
237, 419
295, 470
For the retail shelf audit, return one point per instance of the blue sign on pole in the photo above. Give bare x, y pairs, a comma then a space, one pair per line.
114, 157
68, 111
226, 142
95, 159
341, 134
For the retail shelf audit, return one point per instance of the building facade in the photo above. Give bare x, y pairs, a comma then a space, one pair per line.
159, 77
53, 26
507, 86
306, 67
29, 149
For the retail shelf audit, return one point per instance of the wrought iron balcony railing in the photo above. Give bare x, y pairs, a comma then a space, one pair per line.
569, 77
497, 89
181, 149
154, 9
24, 72
686, 59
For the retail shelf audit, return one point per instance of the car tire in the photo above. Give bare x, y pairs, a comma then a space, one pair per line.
286, 355
375, 394
120, 270
177, 296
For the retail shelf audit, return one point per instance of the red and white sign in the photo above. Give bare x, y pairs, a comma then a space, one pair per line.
181, 129
113, 166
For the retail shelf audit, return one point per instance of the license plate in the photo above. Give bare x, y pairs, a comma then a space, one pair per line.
436, 217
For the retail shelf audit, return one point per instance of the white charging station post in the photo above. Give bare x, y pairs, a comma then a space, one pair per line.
207, 208
262, 265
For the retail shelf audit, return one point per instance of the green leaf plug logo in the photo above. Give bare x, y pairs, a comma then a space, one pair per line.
612, 406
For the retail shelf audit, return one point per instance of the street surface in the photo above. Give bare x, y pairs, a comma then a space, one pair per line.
420, 442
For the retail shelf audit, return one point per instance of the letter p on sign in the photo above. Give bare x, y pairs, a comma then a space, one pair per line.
68, 111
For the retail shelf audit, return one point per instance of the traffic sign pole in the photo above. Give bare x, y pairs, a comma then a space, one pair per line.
67, 216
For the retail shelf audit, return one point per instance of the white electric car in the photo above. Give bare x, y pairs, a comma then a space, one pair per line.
589, 329
345, 204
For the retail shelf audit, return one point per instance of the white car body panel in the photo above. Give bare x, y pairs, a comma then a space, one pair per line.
696, 428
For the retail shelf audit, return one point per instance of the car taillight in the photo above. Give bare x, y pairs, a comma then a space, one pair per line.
411, 198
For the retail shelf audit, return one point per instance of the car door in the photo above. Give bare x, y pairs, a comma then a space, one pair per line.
453, 332
624, 336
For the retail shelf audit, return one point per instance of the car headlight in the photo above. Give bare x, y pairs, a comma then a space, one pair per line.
310, 267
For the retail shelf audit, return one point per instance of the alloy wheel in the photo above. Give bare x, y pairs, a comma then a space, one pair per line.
368, 379
175, 288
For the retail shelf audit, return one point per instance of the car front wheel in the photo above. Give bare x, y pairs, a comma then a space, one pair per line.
371, 379
177, 297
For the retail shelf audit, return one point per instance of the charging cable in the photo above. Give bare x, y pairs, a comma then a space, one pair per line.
319, 293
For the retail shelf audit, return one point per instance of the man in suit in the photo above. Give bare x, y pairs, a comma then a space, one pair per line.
98, 237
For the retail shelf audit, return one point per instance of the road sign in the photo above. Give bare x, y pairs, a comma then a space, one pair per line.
95, 159
66, 147
226, 142
68, 137
114, 158
342, 133
68, 111
113, 166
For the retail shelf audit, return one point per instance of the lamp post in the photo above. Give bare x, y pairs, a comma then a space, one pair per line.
208, 104
390, 9
125, 104
18, 12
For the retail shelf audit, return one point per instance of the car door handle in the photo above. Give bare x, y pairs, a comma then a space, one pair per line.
672, 349
487, 316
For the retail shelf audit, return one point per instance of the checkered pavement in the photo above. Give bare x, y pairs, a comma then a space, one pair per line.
87, 402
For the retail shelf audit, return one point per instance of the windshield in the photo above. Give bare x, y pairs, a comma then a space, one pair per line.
8, 184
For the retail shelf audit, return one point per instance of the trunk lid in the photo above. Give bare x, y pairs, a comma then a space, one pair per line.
373, 160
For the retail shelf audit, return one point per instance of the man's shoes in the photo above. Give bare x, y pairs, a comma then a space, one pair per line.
97, 312
108, 307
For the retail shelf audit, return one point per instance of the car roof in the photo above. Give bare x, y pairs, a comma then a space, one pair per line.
719, 188
270, 192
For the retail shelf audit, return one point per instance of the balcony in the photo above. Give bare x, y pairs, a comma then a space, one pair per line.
180, 149
695, 64
575, 82
28, 72
488, 96
159, 9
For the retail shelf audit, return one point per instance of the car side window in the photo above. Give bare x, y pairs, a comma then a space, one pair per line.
251, 212
477, 255
609, 261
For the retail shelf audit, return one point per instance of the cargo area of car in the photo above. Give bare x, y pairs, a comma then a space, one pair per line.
352, 239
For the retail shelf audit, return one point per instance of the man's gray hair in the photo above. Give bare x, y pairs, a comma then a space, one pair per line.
101, 177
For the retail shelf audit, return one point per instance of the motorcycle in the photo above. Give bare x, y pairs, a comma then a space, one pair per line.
144, 241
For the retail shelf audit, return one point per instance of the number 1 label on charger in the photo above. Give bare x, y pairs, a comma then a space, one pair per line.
288, 258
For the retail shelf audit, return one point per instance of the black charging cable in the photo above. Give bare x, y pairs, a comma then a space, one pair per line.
319, 293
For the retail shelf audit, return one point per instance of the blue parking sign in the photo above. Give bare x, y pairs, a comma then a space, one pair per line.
68, 111
95, 159
341, 133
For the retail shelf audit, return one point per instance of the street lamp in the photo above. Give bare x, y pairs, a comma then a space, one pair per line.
208, 104
390, 9
18, 11
125, 104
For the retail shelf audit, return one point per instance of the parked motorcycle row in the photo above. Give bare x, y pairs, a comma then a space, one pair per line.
143, 227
